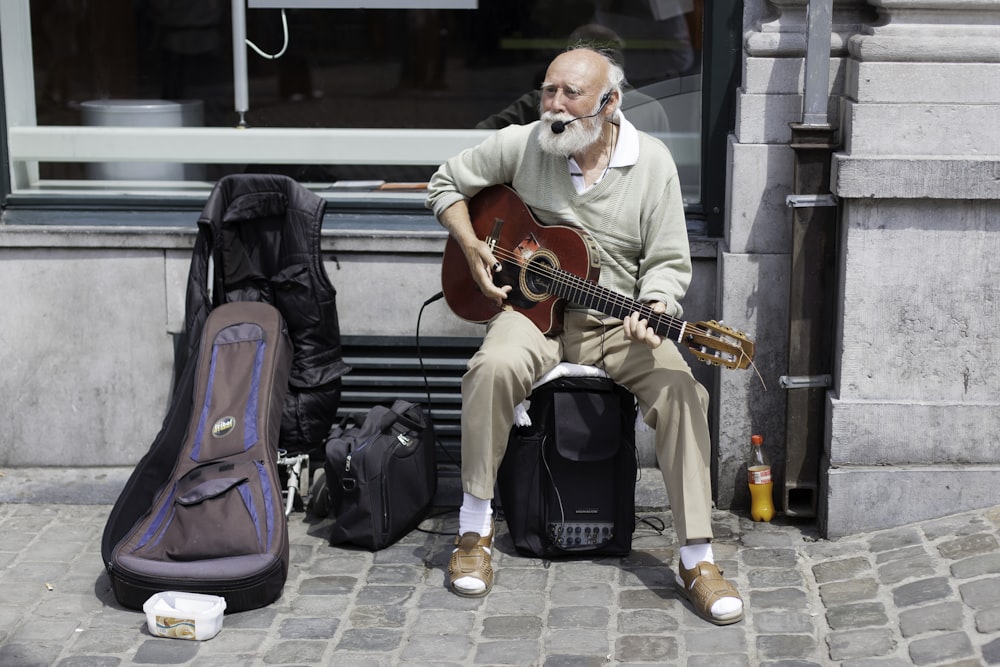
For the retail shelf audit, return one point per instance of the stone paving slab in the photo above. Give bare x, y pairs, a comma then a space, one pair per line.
926, 594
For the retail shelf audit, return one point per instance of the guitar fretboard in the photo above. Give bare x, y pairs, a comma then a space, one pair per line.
591, 295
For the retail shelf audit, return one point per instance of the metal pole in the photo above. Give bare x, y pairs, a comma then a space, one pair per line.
240, 85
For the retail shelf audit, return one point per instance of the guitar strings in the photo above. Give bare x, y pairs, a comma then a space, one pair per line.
589, 288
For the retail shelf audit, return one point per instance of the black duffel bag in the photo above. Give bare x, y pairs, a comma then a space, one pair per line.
381, 476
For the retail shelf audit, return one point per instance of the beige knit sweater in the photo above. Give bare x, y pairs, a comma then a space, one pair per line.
635, 213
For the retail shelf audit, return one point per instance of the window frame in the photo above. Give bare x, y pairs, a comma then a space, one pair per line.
720, 69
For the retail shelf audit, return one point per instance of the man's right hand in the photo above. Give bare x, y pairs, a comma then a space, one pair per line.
482, 263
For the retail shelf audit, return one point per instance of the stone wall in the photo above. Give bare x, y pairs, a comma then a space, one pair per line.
916, 412
90, 313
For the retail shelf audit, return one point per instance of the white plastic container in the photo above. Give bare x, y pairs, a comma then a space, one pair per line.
184, 615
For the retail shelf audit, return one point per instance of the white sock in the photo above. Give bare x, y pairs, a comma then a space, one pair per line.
691, 555
474, 515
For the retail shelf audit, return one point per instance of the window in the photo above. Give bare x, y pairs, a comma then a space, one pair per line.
150, 100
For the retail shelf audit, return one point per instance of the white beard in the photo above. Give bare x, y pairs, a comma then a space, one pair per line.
576, 138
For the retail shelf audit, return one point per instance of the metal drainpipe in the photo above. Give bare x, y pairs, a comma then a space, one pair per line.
812, 277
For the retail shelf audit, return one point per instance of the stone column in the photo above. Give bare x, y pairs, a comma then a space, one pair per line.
915, 408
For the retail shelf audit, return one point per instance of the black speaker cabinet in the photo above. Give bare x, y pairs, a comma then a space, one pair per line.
567, 481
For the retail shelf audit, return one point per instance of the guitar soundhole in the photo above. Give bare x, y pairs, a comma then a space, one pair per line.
537, 274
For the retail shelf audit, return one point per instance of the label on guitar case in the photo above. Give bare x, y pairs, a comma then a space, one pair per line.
223, 427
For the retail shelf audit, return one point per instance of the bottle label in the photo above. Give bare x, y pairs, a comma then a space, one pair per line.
761, 475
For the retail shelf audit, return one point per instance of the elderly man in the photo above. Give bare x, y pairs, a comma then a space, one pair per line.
584, 164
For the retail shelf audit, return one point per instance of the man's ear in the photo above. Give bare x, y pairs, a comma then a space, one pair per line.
611, 101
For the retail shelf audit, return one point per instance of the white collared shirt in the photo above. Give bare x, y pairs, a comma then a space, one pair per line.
626, 154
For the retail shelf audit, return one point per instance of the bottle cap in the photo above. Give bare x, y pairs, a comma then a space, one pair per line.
756, 440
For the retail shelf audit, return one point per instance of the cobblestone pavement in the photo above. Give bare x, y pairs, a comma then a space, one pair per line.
923, 594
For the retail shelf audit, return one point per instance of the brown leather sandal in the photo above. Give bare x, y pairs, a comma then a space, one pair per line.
702, 586
471, 559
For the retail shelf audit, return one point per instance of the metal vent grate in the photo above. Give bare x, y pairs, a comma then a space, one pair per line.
386, 368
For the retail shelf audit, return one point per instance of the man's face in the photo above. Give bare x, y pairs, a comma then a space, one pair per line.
573, 87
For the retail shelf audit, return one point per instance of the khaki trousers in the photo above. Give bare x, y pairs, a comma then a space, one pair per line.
515, 353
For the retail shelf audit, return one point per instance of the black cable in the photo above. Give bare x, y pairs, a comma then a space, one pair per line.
654, 522
427, 384
420, 354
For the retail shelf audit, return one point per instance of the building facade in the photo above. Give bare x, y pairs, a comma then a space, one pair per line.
908, 278
840, 161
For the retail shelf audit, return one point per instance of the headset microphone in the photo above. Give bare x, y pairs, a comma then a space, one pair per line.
560, 125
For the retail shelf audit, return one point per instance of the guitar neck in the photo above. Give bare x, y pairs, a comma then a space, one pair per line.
591, 295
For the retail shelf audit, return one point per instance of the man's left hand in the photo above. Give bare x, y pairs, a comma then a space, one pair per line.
637, 328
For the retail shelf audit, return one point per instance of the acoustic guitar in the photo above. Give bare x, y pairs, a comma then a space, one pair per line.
550, 265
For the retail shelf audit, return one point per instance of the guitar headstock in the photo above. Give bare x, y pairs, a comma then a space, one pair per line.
719, 345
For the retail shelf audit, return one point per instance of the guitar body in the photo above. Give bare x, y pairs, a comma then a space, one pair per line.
548, 265
529, 253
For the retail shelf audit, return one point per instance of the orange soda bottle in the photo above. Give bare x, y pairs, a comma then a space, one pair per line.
761, 486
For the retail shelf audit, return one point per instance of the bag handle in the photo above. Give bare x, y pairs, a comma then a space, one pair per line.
409, 414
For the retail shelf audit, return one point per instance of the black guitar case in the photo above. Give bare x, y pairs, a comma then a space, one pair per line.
217, 526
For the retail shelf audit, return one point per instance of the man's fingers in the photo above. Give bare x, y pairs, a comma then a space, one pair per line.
639, 329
